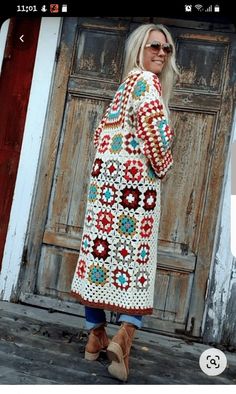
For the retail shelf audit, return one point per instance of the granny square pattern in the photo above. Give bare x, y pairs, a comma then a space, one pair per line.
116, 268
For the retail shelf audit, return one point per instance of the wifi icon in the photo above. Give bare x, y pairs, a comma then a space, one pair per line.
199, 7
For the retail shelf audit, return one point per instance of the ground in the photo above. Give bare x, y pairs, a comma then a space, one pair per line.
38, 346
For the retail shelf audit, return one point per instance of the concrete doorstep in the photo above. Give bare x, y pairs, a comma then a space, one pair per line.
38, 347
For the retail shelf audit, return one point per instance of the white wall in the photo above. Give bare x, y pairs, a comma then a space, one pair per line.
34, 125
223, 274
3, 39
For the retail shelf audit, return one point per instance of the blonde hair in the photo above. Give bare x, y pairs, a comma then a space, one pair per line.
134, 58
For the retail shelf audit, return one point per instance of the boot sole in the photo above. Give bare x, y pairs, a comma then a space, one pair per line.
91, 356
117, 367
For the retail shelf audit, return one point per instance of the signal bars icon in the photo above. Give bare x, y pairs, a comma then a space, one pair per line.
209, 9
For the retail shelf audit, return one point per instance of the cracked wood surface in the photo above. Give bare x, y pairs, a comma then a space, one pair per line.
38, 347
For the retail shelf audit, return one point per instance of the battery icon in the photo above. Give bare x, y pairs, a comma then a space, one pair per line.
64, 8
217, 8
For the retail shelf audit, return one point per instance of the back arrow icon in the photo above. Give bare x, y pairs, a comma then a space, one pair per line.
21, 38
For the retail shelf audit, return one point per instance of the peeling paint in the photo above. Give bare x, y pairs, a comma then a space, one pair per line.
220, 321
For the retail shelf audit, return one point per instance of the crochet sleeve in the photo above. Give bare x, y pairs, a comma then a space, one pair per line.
152, 125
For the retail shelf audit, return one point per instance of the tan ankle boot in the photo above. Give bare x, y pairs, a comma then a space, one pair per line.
118, 351
97, 341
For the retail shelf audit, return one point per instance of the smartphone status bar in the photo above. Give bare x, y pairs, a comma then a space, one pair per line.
185, 9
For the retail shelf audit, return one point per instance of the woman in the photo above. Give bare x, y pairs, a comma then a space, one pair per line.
117, 262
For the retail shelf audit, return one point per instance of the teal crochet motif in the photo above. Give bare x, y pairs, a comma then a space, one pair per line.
140, 88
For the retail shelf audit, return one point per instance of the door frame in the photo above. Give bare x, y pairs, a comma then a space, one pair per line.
30, 153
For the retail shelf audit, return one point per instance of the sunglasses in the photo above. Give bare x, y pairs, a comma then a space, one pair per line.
156, 46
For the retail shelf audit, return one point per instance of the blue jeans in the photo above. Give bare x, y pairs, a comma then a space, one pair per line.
96, 317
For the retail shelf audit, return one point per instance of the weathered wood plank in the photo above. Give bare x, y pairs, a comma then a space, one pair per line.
34, 351
48, 313
18, 378
62, 374
150, 364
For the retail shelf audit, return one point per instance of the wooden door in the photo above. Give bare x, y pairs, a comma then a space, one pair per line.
88, 72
